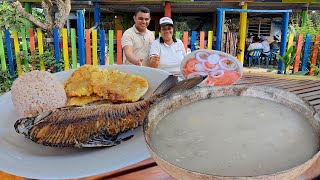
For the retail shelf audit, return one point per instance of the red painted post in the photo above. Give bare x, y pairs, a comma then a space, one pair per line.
202, 40
88, 47
32, 47
185, 40
298, 54
314, 54
119, 47
167, 9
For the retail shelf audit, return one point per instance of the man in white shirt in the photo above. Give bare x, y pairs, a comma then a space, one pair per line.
255, 45
265, 46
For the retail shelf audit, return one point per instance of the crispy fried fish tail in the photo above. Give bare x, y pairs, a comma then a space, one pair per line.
172, 85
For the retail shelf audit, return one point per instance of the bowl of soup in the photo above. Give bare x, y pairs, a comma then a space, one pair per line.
221, 68
233, 132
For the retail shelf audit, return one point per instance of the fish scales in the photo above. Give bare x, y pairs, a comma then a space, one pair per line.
77, 124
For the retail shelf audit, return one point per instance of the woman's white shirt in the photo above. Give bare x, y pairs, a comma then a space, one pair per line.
170, 55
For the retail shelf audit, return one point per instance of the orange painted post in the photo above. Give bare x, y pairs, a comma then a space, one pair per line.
167, 9
32, 47
119, 47
314, 54
88, 47
201, 40
298, 54
185, 40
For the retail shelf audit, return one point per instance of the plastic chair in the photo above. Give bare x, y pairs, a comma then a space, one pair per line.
271, 56
255, 55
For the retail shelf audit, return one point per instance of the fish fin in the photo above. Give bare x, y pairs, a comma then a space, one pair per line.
186, 84
105, 141
172, 85
166, 85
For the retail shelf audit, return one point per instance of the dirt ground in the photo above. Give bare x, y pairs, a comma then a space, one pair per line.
274, 72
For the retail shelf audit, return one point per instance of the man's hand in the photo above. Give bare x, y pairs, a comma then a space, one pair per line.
138, 62
128, 52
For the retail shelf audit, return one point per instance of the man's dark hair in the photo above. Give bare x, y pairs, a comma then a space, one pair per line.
256, 39
142, 9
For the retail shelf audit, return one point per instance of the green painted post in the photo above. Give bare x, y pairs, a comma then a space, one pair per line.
74, 48
304, 15
178, 35
111, 48
27, 7
2, 57
125, 21
25, 47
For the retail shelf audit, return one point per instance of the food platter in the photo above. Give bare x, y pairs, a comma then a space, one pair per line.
22, 157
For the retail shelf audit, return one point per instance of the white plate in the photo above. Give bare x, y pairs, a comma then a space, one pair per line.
22, 157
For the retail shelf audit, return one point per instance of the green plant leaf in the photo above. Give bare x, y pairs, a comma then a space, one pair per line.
280, 58
300, 73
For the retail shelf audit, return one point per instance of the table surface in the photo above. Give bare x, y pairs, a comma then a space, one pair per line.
306, 87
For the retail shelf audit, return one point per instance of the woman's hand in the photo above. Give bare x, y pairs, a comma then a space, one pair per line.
154, 61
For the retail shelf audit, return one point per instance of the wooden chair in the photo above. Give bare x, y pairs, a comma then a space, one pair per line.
255, 55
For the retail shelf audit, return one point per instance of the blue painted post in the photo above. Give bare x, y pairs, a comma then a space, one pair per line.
306, 52
97, 20
193, 40
219, 30
283, 44
80, 28
102, 42
9, 51
56, 46
97, 13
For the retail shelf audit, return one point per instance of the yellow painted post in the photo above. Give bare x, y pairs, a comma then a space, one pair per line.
17, 50
94, 48
210, 39
242, 33
290, 42
40, 47
65, 48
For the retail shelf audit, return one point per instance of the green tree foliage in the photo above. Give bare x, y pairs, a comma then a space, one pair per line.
5, 81
312, 26
287, 59
9, 18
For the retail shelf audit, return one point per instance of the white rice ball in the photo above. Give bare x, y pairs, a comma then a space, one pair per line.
36, 92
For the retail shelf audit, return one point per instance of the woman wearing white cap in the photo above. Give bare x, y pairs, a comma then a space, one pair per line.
167, 52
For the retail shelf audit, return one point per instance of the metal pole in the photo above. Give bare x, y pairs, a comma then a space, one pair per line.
242, 33
97, 13
283, 44
219, 30
304, 16
167, 9
80, 28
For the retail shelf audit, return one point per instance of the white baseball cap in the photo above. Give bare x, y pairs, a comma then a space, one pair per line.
165, 21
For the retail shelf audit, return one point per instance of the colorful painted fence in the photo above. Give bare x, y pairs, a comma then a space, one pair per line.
88, 47
302, 50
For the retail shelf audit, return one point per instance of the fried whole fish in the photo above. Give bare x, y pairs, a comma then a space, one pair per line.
95, 124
